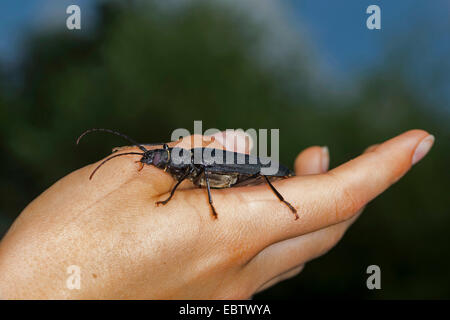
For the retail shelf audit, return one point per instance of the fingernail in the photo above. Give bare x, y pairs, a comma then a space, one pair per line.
325, 159
235, 140
422, 149
218, 137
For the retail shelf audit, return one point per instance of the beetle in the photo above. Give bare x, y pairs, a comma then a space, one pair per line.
208, 173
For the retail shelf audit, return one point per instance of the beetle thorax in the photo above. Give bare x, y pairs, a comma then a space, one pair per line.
159, 158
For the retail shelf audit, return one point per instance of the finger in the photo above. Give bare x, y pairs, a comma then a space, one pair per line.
313, 160
286, 255
295, 251
327, 199
287, 275
235, 140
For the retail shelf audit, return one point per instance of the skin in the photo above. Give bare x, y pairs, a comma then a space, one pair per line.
129, 248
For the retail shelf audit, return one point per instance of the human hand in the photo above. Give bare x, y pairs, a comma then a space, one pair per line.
127, 247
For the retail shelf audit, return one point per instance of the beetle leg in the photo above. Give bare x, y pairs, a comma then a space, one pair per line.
294, 211
175, 187
196, 180
141, 165
214, 213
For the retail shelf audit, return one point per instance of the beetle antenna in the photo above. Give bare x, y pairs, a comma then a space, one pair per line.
110, 158
113, 132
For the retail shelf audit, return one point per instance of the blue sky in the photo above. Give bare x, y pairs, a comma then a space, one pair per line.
337, 29
19, 18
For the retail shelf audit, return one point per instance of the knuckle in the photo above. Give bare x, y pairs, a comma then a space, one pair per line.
346, 204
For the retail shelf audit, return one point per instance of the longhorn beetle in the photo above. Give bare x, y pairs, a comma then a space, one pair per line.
207, 173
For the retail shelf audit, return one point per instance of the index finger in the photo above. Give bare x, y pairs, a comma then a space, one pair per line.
330, 198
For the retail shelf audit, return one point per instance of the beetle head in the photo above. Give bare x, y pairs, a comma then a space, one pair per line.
157, 157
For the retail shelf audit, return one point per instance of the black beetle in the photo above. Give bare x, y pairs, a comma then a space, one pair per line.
243, 170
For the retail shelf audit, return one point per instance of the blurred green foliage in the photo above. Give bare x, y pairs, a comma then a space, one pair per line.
148, 71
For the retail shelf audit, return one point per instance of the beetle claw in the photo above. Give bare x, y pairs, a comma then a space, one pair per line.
140, 166
158, 203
